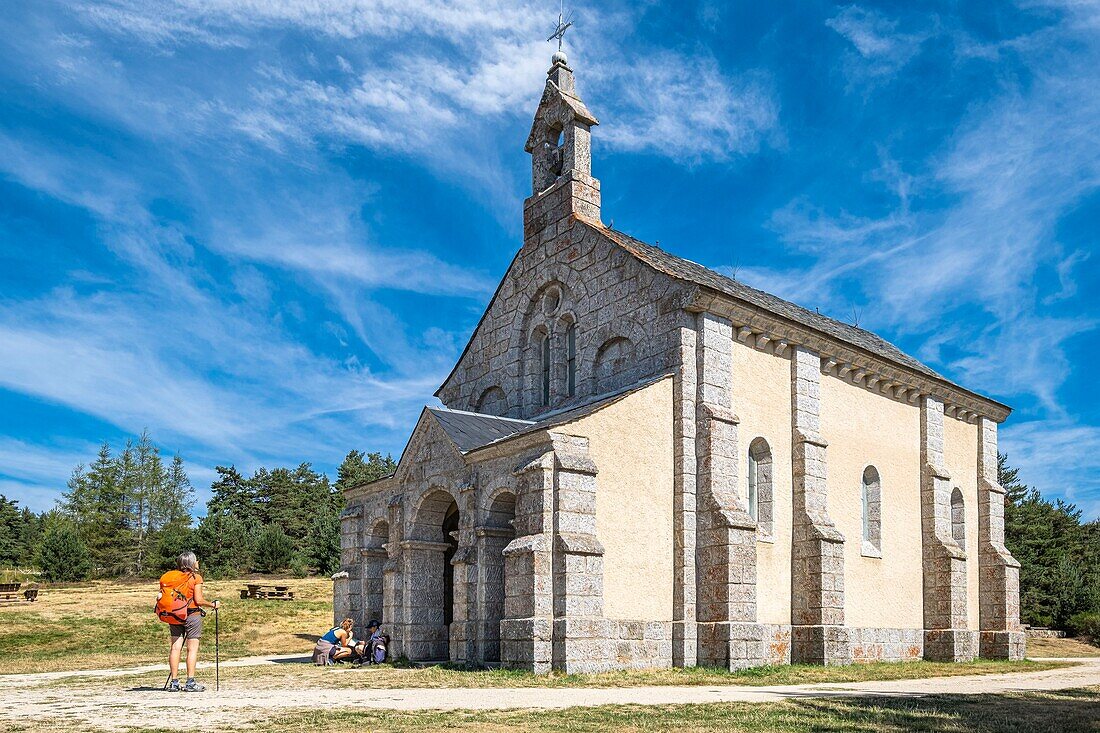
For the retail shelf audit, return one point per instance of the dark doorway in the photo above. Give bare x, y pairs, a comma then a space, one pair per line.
450, 529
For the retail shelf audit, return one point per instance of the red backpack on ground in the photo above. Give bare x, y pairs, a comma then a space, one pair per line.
174, 599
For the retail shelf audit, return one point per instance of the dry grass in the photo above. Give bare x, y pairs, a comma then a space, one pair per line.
304, 676
1069, 711
111, 624
1040, 647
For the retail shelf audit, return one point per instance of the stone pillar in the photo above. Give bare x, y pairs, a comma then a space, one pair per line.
463, 629
374, 561
728, 635
946, 638
818, 634
526, 631
491, 542
426, 637
580, 631
684, 630
347, 584
998, 571
393, 600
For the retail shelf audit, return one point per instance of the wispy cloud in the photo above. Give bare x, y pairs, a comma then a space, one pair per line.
880, 48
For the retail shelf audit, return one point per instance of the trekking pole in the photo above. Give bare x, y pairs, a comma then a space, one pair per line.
217, 671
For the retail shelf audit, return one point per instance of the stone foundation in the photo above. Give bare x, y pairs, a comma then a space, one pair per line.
1002, 645
886, 645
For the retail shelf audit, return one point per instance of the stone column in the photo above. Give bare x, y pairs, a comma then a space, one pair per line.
374, 561
347, 584
526, 631
728, 635
684, 632
426, 636
818, 634
463, 629
946, 638
491, 542
393, 600
580, 632
998, 571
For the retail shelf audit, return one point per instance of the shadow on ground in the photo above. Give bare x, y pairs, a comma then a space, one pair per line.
1070, 711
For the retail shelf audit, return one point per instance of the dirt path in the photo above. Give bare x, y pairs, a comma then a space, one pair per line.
113, 706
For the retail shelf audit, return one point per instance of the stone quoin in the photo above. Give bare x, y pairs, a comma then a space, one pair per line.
643, 463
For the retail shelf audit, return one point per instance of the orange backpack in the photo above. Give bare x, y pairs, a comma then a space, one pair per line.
173, 602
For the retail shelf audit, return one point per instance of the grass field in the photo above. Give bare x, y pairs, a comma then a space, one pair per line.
1061, 648
1063, 712
1069, 711
111, 624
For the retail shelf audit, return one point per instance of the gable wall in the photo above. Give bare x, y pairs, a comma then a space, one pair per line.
762, 401
607, 291
863, 428
631, 444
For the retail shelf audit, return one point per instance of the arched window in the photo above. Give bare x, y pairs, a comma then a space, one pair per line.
872, 513
571, 360
760, 487
612, 365
958, 517
546, 370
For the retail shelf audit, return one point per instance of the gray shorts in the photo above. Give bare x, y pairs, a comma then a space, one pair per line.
191, 629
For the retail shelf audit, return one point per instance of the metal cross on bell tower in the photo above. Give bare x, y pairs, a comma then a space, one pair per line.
563, 25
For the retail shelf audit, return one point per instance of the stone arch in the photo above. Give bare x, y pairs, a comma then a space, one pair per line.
430, 575
497, 531
492, 401
958, 517
761, 498
613, 364
572, 291
871, 492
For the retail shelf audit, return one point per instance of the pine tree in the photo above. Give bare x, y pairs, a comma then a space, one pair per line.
11, 532
62, 554
97, 503
224, 544
354, 470
324, 541
232, 495
273, 549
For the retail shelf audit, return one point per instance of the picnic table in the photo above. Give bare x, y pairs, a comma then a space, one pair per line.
267, 592
9, 593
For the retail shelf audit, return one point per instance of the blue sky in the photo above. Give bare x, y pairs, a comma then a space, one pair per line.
264, 229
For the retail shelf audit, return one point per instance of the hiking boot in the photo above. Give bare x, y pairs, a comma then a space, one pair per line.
193, 686
174, 686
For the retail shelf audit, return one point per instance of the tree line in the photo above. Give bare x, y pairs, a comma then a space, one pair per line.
129, 513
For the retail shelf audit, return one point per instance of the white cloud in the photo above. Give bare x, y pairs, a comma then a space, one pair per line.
881, 49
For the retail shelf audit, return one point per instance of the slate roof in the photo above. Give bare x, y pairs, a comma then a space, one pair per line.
471, 430
693, 272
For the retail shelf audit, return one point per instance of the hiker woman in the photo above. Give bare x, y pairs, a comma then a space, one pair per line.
185, 583
336, 645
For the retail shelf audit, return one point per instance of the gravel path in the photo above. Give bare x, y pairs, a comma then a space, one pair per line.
113, 706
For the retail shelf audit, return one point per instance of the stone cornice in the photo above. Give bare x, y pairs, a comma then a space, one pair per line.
775, 334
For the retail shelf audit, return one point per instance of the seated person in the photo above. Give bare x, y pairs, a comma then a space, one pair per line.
377, 643
336, 645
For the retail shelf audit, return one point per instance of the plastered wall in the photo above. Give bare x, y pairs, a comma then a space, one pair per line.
762, 400
960, 452
866, 428
631, 443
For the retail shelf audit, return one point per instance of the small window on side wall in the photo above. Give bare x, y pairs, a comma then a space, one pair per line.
546, 370
872, 512
571, 360
958, 517
760, 488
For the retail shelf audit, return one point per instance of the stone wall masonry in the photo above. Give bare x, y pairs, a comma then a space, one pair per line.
818, 635
1001, 636
886, 645
728, 635
945, 593
685, 385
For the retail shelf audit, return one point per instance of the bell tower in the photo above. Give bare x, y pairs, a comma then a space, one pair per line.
560, 145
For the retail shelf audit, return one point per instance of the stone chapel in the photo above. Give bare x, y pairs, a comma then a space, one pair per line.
643, 463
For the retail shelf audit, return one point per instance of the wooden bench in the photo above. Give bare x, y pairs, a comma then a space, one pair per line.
10, 593
267, 592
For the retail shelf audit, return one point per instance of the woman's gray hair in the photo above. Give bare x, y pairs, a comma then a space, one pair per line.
187, 562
